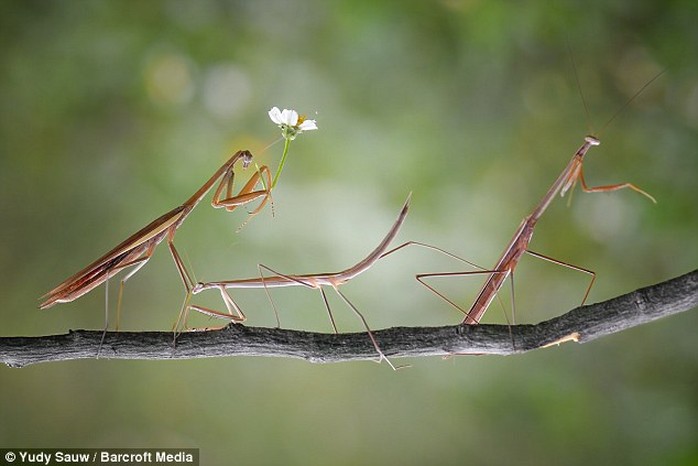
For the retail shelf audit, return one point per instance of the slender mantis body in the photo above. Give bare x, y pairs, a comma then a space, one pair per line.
519, 243
314, 281
137, 249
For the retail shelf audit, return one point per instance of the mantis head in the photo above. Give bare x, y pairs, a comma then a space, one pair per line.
246, 158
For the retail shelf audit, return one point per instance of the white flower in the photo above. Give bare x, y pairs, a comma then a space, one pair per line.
290, 122
287, 117
306, 125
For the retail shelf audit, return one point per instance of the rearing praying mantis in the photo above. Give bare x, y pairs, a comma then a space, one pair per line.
519, 243
137, 249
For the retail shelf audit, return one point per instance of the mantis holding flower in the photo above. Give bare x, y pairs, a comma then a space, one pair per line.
135, 251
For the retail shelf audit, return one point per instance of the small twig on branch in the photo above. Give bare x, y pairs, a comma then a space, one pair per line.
581, 325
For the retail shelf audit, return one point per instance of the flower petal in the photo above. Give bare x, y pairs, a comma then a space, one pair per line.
289, 117
308, 125
275, 115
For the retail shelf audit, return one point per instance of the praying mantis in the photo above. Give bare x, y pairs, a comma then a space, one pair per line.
313, 281
136, 250
519, 243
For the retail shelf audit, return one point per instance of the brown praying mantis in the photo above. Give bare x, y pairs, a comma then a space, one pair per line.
137, 249
566, 181
313, 281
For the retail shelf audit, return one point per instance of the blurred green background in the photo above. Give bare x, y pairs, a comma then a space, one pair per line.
115, 112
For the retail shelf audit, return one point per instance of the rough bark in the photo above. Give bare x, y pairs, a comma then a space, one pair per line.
583, 324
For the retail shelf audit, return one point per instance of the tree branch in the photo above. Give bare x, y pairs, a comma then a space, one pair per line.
581, 325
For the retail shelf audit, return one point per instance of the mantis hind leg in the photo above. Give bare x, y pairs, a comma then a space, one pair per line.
468, 319
421, 277
569, 266
329, 311
290, 278
381, 355
234, 314
239, 318
187, 282
140, 262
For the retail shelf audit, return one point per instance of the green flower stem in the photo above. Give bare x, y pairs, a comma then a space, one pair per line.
281, 164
